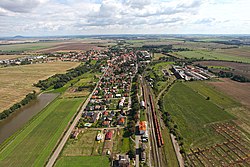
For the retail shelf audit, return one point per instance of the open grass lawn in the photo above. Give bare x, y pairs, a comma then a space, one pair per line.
193, 114
17, 81
83, 161
212, 55
85, 145
33, 145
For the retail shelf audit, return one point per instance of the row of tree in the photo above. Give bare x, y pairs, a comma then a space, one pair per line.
29, 97
59, 80
171, 124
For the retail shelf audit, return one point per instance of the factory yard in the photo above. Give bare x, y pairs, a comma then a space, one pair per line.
17, 81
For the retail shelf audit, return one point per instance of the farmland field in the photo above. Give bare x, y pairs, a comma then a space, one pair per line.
242, 51
33, 145
4, 57
17, 81
66, 47
193, 114
83, 161
236, 68
27, 46
211, 55
236, 90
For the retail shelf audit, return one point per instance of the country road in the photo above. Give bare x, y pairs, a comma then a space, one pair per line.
64, 139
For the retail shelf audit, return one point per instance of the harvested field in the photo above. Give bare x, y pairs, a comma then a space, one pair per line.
66, 47
235, 151
210, 55
236, 68
17, 81
242, 51
8, 57
23, 47
237, 90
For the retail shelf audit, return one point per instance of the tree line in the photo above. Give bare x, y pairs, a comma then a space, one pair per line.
59, 80
29, 97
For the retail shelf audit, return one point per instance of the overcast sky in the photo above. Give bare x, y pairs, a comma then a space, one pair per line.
86, 17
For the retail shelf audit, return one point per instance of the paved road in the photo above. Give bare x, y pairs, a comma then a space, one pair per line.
60, 146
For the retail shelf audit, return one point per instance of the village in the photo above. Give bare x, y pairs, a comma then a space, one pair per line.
110, 103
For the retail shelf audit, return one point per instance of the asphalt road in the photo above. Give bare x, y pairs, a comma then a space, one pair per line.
64, 139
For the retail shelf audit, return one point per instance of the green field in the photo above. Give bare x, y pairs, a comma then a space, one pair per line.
33, 145
215, 96
27, 46
193, 114
169, 149
211, 55
83, 161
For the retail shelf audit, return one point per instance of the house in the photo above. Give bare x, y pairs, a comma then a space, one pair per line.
142, 127
95, 117
108, 135
105, 123
121, 161
121, 121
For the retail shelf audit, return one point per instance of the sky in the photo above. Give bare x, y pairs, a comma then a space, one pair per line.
89, 17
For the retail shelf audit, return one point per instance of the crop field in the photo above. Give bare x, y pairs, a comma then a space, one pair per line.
193, 114
72, 46
8, 57
218, 98
236, 90
240, 93
33, 144
211, 55
85, 145
200, 45
83, 161
235, 151
236, 68
17, 81
242, 51
27, 46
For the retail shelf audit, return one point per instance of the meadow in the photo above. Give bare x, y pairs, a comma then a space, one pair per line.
194, 114
211, 55
32, 145
83, 161
17, 81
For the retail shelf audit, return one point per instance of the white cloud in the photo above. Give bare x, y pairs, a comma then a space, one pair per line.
44, 17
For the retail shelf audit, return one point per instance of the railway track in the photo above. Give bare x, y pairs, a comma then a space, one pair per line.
155, 140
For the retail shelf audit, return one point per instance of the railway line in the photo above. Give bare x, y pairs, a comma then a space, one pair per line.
156, 140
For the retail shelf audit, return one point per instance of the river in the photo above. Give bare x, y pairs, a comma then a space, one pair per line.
17, 120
